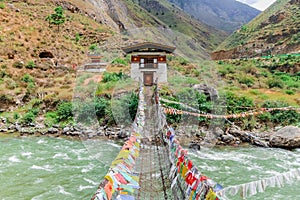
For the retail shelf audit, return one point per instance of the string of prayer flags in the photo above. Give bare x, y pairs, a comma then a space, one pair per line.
198, 186
249, 189
173, 111
121, 182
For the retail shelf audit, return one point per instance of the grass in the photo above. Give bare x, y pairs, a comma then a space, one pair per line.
250, 78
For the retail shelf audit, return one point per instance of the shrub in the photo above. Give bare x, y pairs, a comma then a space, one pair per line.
100, 106
16, 116
290, 92
120, 61
247, 80
124, 109
65, 110
281, 117
2, 5
30, 116
237, 104
85, 112
182, 61
107, 77
30, 87
27, 78
10, 84
272, 83
93, 47
77, 37
3, 73
50, 119
30, 65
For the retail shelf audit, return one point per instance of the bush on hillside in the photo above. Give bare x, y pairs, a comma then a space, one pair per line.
237, 104
2, 5
85, 112
64, 111
124, 108
113, 77
247, 80
30, 65
27, 78
51, 118
29, 117
120, 61
279, 117
274, 82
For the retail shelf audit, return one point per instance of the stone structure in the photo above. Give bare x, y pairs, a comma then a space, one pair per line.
287, 137
149, 62
95, 64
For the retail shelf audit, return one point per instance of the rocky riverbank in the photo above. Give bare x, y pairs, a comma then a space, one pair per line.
285, 137
76, 131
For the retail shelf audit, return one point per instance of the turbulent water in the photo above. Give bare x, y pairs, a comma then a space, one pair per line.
52, 168
56, 168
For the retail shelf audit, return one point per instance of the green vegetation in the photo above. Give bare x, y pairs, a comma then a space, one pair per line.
30, 65
282, 118
2, 5
29, 117
108, 111
121, 61
77, 37
64, 111
250, 84
94, 47
27, 78
56, 18
51, 118
276, 72
113, 77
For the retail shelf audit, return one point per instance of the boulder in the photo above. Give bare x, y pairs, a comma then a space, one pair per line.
122, 134
287, 137
195, 146
248, 137
52, 130
66, 129
228, 138
209, 91
218, 132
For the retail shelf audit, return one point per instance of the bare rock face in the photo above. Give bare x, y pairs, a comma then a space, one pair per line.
287, 137
209, 91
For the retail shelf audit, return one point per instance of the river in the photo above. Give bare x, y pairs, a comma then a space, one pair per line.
57, 168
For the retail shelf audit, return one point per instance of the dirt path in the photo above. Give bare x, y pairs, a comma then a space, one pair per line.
96, 79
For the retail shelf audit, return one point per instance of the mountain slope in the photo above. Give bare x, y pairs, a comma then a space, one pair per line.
275, 31
227, 15
37, 60
159, 21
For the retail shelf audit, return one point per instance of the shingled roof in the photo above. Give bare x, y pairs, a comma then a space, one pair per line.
148, 47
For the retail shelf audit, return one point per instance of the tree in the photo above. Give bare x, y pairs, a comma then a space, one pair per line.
56, 18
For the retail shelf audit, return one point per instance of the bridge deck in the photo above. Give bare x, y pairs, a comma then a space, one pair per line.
153, 162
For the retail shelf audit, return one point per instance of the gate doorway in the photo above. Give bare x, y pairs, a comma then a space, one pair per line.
148, 78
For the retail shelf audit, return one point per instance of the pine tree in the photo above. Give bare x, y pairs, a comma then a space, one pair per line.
56, 18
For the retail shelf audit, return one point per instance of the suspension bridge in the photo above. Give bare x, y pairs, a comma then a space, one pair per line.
153, 165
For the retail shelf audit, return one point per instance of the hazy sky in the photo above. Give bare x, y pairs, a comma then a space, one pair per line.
258, 4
